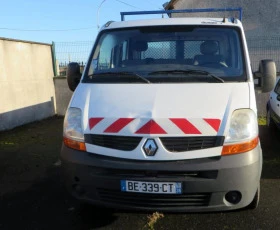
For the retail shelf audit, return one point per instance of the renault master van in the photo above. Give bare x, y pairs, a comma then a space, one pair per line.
164, 117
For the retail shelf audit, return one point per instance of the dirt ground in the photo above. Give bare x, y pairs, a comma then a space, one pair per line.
32, 195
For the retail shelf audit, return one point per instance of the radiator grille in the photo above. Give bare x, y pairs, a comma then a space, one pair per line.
124, 143
130, 173
182, 144
172, 144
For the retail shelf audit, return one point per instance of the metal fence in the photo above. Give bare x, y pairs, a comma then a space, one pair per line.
260, 47
72, 52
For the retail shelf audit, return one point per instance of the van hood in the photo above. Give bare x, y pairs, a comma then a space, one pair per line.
154, 110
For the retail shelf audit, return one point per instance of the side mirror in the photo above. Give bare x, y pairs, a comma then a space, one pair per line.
73, 75
265, 76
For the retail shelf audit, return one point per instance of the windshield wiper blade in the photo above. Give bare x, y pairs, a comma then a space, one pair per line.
190, 71
122, 74
208, 74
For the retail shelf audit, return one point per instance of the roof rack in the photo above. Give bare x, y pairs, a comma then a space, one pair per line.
201, 10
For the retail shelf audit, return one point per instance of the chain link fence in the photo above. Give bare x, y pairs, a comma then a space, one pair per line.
72, 52
264, 48
260, 47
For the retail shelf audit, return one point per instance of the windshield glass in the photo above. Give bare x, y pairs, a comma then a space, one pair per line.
167, 54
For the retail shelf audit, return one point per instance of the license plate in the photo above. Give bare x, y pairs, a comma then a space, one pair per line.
151, 187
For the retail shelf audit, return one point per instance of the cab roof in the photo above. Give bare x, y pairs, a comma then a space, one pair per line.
173, 22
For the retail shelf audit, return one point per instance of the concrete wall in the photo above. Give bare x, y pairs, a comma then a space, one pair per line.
26, 82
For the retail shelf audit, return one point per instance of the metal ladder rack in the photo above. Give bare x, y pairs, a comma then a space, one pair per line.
202, 10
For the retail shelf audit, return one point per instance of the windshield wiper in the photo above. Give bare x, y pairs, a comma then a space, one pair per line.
190, 71
121, 74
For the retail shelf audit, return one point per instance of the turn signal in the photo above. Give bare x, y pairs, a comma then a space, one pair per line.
241, 147
74, 144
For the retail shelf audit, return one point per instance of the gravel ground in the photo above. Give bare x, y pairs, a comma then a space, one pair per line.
32, 195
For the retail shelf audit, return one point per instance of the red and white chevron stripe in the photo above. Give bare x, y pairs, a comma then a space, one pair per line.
159, 126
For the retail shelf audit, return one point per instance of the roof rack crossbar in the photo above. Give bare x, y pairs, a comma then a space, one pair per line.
201, 10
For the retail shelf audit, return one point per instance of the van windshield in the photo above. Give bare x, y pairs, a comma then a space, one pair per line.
167, 54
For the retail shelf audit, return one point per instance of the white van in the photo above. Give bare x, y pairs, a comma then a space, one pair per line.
164, 117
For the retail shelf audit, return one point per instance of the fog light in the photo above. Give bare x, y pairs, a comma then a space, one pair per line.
233, 197
78, 189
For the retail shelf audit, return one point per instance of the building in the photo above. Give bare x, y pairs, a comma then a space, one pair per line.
260, 21
259, 17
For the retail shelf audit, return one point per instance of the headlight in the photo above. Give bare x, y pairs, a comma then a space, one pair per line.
243, 132
73, 136
243, 126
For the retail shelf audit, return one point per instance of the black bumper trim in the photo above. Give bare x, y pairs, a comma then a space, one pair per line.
154, 200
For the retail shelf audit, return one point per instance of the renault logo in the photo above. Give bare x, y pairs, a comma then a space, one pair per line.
150, 147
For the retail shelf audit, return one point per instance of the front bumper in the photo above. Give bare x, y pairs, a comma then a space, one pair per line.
205, 182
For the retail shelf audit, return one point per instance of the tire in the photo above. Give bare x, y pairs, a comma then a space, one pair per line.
268, 70
269, 122
73, 75
255, 202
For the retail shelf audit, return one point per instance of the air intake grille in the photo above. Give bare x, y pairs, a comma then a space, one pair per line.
133, 173
154, 200
182, 144
124, 143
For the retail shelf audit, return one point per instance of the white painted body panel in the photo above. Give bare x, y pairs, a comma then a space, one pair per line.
159, 102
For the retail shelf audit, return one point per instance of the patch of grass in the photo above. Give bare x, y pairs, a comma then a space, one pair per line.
262, 121
274, 161
152, 219
6, 143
